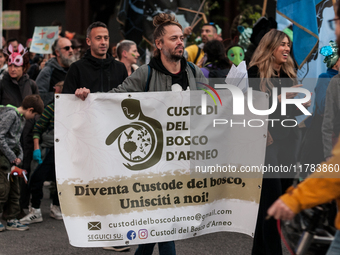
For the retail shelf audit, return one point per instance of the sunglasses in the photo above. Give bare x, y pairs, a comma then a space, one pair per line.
67, 48
210, 24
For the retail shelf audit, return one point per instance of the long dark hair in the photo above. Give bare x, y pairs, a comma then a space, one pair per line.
215, 53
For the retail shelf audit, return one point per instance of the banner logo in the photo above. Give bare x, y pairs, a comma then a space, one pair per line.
131, 235
143, 233
140, 142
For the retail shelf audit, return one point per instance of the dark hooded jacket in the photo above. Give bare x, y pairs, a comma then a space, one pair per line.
276, 129
13, 91
99, 75
180, 78
50, 75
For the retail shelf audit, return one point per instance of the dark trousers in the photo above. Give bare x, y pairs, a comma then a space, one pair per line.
9, 195
267, 240
45, 171
312, 147
26, 141
165, 248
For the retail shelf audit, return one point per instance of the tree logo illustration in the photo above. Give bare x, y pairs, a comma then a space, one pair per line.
140, 142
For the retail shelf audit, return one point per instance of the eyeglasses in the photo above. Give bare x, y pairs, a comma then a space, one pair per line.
332, 22
67, 48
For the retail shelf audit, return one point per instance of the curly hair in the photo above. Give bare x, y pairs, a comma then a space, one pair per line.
215, 53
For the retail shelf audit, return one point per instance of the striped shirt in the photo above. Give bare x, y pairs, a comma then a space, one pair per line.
45, 122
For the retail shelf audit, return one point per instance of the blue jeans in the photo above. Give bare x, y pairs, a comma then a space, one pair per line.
334, 249
165, 248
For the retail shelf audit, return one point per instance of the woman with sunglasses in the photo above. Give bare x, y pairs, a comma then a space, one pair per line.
273, 67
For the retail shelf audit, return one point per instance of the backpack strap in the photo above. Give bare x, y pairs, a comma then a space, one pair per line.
193, 69
148, 79
198, 54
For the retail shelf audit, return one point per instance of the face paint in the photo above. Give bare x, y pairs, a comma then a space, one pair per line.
236, 55
133, 55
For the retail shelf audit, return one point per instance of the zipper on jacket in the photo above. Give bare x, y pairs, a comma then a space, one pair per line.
101, 77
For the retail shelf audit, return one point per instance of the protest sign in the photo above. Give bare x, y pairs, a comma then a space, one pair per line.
11, 20
149, 167
43, 39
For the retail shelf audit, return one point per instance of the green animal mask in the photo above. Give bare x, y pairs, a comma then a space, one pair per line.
236, 55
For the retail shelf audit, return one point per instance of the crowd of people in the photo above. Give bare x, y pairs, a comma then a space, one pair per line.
28, 82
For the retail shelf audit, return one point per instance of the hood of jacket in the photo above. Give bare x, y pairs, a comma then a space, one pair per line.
8, 108
22, 80
98, 63
157, 64
178, 78
53, 63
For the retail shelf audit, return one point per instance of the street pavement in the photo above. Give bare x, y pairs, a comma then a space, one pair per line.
50, 237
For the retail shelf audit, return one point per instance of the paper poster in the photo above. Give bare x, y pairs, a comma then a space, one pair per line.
43, 39
151, 167
11, 20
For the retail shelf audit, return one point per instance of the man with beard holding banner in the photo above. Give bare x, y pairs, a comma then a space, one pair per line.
168, 70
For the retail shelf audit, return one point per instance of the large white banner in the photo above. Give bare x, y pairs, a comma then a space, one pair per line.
149, 167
